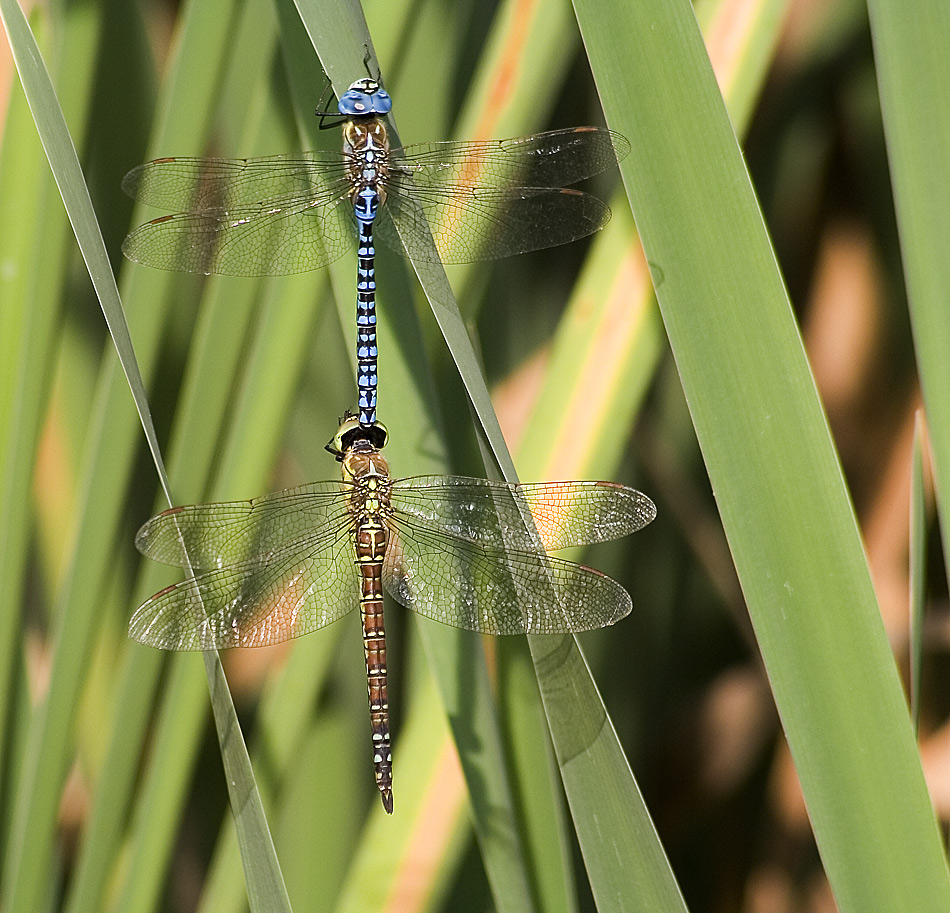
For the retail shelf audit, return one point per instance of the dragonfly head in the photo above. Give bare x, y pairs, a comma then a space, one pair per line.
365, 97
352, 436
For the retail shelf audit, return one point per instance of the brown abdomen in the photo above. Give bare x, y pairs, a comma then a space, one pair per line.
371, 539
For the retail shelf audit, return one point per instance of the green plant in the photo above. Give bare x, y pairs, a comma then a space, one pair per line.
246, 380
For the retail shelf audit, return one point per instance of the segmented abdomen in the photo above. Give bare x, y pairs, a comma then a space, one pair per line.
366, 351
371, 539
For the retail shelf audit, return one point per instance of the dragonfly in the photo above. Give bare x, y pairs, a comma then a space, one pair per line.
290, 214
466, 552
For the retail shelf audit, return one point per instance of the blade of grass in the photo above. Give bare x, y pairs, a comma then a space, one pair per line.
918, 567
285, 710
202, 406
610, 341
770, 459
25, 331
264, 368
243, 429
347, 24
763, 30
741, 39
429, 839
28, 851
267, 386
526, 58
321, 786
265, 884
911, 54
563, 675
503, 853
509, 95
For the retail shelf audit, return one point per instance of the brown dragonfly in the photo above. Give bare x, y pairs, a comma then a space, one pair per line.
470, 553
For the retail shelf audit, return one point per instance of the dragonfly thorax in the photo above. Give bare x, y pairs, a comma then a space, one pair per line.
369, 497
366, 144
366, 466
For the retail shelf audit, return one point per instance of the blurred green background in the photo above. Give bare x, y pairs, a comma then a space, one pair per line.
112, 795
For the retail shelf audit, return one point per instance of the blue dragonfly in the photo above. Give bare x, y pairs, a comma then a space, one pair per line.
294, 213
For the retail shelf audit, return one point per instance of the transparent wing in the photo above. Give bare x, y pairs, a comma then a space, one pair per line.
469, 585
206, 536
274, 568
195, 184
565, 514
254, 603
487, 224
242, 217
553, 159
487, 200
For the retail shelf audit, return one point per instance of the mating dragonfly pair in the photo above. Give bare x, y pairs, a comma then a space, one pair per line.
465, 552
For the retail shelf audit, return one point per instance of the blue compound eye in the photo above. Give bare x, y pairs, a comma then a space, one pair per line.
382, 103
365, 97
353, 103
